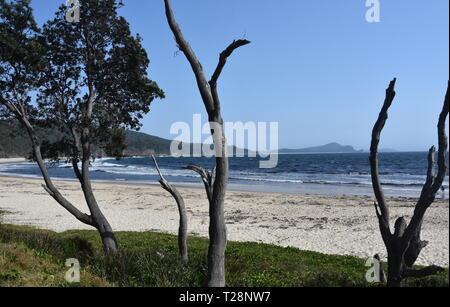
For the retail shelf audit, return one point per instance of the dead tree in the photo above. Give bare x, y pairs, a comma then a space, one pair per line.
404, 245
182, 230
210, 97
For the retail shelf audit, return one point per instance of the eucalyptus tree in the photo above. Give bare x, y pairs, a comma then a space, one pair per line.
90, 81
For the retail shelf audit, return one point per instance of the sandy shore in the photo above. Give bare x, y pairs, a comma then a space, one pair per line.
12, 160
344, 225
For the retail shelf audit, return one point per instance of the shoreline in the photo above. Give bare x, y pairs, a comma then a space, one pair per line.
305, 188
199, 186
342, 225
285, 184
12, 160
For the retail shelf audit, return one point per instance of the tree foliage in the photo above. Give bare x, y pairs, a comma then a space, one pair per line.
20, 54
97, 60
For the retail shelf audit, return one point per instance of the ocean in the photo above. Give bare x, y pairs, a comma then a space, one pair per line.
402, 174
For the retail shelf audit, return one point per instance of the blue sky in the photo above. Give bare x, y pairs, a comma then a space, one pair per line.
315, 66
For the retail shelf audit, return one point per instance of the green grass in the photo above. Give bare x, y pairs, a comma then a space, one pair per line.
151, 259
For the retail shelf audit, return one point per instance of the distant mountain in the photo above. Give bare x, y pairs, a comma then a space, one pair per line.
142, 144
328, 148
14, 144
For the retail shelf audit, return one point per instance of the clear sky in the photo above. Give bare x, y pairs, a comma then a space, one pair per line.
315, 66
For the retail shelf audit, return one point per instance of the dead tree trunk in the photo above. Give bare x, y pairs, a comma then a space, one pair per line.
404, 245
210, 97
182, 229
96, 218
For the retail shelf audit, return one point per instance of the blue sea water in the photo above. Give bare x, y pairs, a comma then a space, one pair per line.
402, 174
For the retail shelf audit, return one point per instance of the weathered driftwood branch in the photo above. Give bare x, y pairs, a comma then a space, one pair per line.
404, 245
182, 230
210, 97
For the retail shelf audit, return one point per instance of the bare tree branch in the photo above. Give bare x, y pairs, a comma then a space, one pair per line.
164, 183
415, 247
430, 270
431, 173
206, 178
222, 61
443, 144
433, 183
383, 213
76, 169
182, 230
192, 58
224, 55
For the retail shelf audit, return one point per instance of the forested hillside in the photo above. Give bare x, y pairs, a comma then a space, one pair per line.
14, 143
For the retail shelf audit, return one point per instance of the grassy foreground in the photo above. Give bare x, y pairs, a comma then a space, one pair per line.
32, 257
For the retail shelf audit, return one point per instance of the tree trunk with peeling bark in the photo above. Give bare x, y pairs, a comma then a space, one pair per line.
210, 97
405, 244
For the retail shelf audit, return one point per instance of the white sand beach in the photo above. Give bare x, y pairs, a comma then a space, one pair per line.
344, 225
12, 160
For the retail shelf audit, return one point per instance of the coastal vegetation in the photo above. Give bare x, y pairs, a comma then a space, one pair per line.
32, 257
